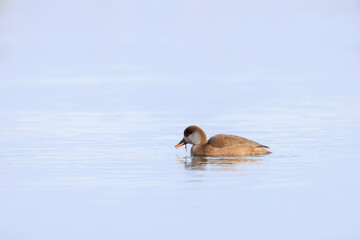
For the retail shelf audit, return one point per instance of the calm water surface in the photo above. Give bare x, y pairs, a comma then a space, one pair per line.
95, 94
96, 175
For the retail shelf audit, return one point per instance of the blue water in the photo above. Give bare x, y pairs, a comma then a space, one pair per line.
94, 96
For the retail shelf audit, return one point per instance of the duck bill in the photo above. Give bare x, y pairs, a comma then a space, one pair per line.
182, 142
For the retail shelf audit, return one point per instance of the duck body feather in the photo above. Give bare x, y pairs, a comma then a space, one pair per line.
229, 146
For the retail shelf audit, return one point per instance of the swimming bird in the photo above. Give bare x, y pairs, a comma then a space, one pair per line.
220, 145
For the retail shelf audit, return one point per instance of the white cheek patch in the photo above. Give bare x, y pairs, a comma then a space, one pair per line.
194, 138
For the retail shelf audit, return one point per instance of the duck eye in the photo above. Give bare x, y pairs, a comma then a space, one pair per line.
188, 133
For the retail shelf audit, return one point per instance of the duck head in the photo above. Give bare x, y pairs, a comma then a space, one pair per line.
193, 135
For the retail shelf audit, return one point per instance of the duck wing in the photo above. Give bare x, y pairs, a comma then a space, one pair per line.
225, 140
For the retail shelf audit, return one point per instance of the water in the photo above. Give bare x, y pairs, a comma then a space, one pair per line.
91, 107
117, 175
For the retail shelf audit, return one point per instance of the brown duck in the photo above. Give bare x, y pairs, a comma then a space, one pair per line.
220, 144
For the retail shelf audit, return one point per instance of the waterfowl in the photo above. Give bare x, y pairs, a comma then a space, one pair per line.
220, 145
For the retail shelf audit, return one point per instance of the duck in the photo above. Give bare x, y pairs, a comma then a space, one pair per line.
220, 145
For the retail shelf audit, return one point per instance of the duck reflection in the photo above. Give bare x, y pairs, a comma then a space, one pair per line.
197, 163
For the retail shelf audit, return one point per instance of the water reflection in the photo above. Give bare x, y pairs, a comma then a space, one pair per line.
197, 163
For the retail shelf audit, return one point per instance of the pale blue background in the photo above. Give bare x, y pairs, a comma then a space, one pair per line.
94, 95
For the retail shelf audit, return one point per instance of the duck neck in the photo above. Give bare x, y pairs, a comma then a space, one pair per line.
197, 150
203, 137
